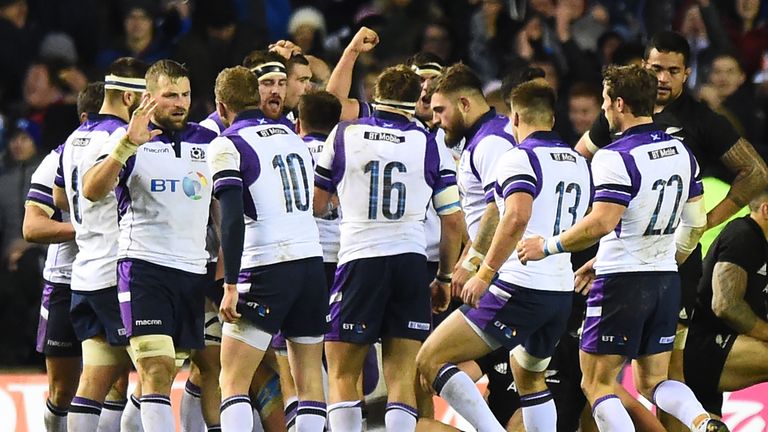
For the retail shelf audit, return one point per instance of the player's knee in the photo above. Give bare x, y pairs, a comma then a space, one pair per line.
646, 385
61, 393
587, 386
120, 387
425, 364
156, 358
158, 372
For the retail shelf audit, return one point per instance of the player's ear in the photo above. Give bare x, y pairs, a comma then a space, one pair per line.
298, 126
221, 109
515, 119
619, 104
464, 104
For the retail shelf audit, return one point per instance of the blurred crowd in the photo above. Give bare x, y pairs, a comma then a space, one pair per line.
49, 51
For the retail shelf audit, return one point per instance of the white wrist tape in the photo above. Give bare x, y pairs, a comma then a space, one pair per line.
473, 260
693, 222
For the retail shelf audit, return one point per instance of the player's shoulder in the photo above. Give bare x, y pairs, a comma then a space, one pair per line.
195, 133
742, 229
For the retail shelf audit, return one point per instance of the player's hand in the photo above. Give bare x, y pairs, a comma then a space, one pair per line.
459, 278
441, 296
473, 290
583, 278
285, 48
530, 249
228, 308
138, 128
363, 41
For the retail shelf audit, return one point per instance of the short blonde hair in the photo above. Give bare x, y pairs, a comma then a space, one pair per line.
237, 88
534, 102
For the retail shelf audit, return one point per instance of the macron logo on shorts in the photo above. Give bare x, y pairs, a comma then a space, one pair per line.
415, 325
148, 322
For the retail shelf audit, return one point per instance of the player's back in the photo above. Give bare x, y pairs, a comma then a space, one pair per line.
384, 165
559, 180
276, 167
653, 174
96, 229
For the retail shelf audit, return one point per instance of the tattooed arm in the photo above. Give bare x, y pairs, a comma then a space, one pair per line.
751, 178
488, 223
729, 283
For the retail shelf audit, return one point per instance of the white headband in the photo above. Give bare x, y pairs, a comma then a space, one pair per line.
409, 107
270, 70
427, 69
114, 82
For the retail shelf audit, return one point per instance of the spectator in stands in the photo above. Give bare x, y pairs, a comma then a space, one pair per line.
307, 30
748, 35
139, 39
404, 23
584, 100
692, 27
18, 45
439, 39
19, 163
49, 102
492, 41
216, 41
728, 92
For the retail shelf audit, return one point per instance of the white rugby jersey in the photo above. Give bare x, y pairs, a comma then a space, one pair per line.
213, 122
432, 222
164, 194
274, 167
486, 141
96, 229
385, 170
558, 178
58, 261
328, 226
653, 174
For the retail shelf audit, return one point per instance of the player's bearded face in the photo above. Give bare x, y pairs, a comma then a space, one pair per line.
609, 108
272, 92
173, 99
134, 103
448, 117
671, 73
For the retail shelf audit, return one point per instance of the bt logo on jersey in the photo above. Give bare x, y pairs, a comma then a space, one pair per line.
192, 184
162, 185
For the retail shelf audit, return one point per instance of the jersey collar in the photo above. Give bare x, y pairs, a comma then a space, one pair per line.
386, 115
550, 137
101, 117
643, 128
490, 114
250, 114
317, 136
